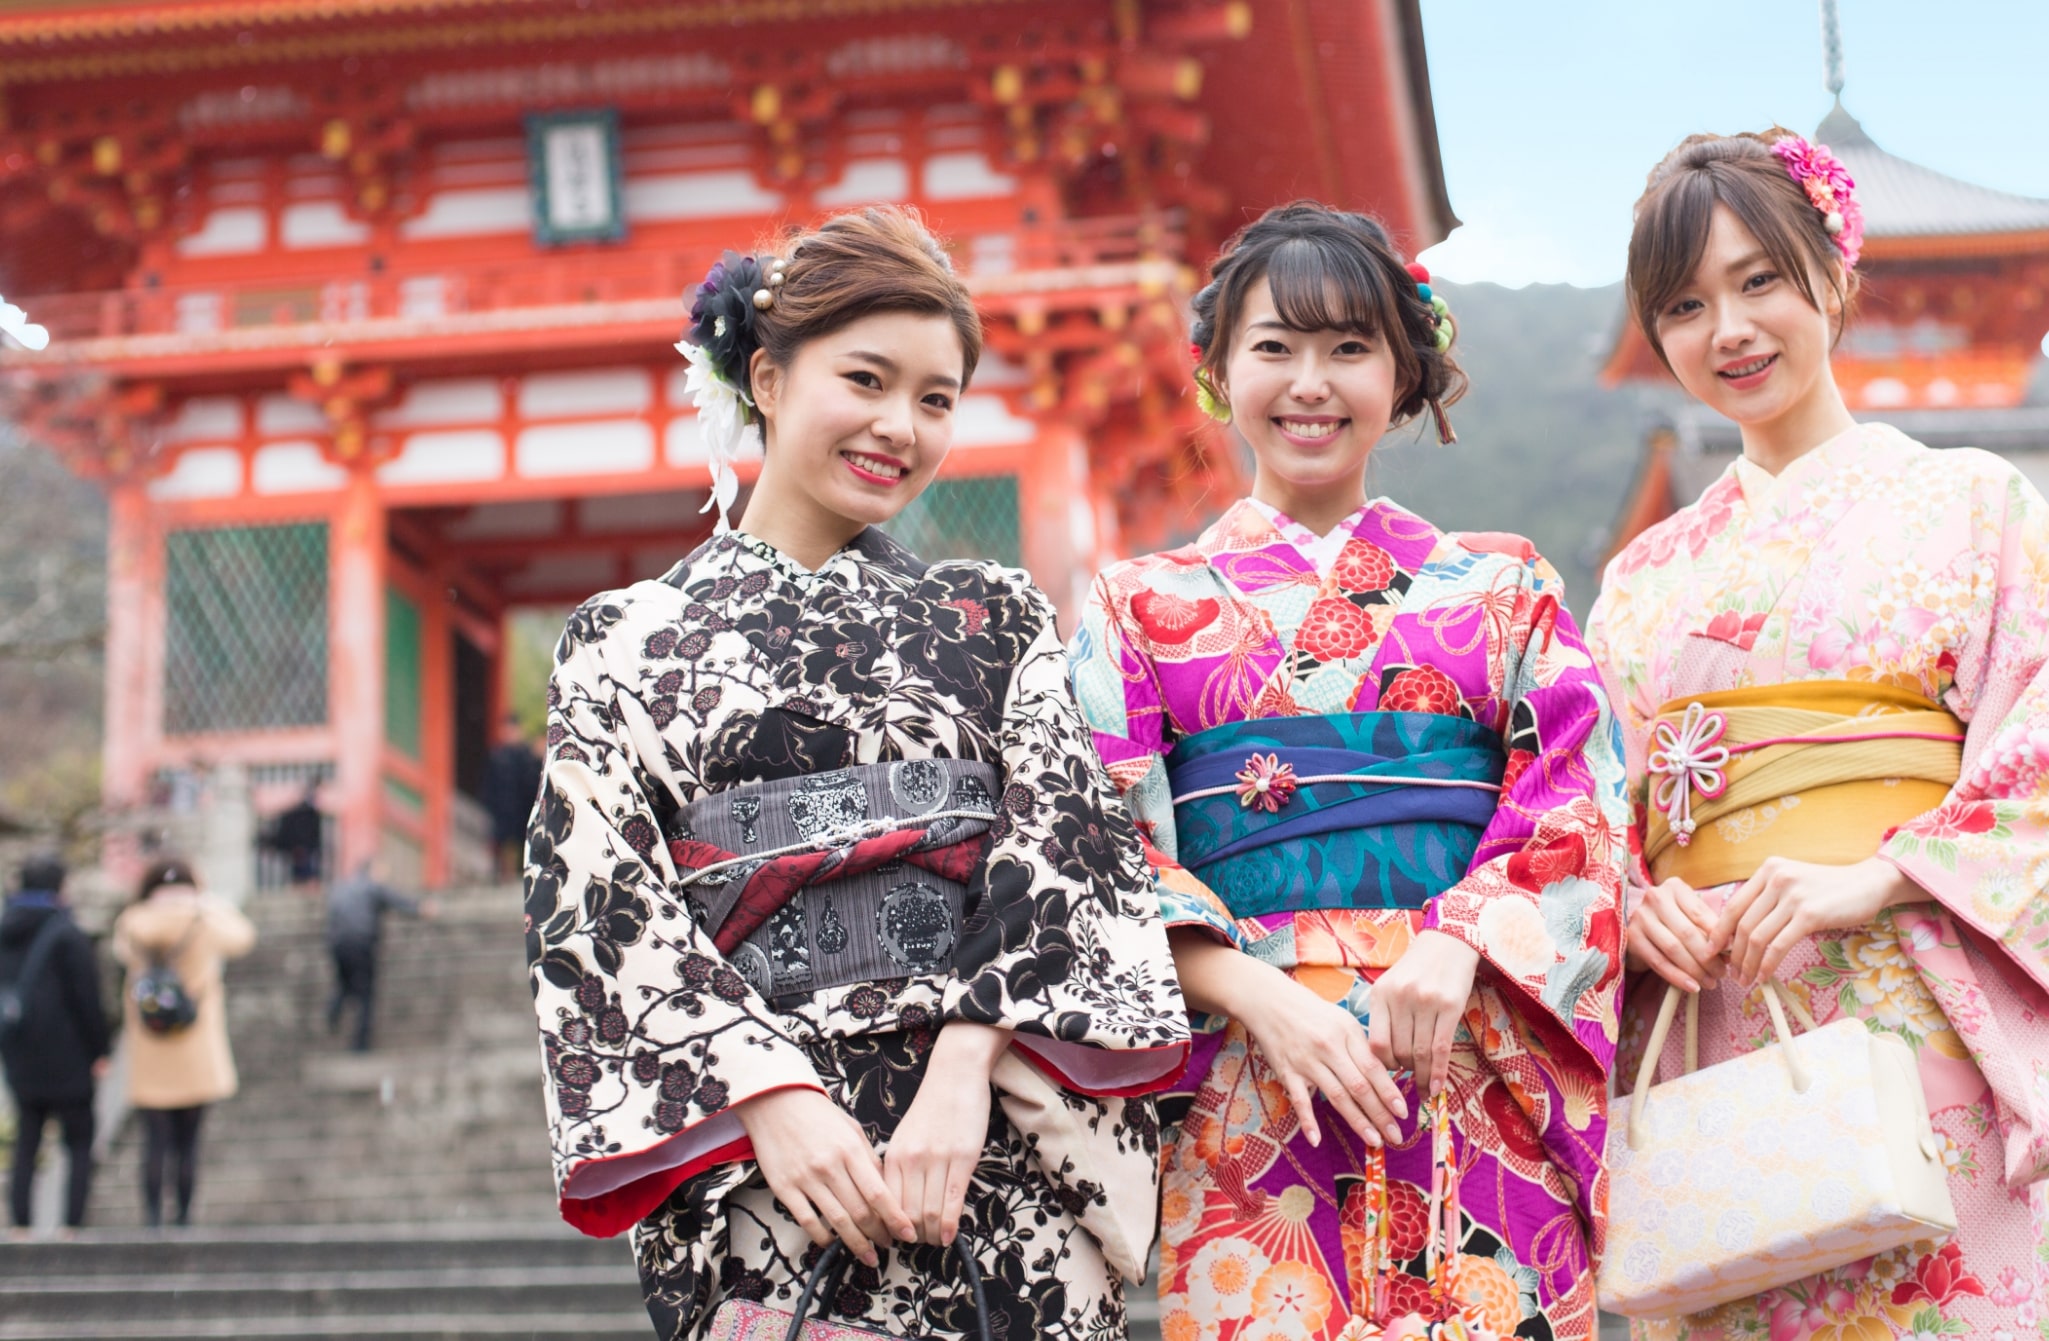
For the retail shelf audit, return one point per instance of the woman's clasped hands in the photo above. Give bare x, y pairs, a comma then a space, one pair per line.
1314, 1046
1674, 932
818, 1162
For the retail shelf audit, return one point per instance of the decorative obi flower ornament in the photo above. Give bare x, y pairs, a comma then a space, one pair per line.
1829, 188
1265, 783
1687, 759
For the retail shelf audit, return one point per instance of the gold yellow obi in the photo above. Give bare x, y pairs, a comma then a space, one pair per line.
1817, 770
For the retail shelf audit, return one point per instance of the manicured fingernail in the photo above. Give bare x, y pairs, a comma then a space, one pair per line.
1394, 1133
908, 1235
1373, 1138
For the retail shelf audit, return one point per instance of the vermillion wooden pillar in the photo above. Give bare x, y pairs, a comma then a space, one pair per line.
356, 665
437, 725
1058, 518
134, 693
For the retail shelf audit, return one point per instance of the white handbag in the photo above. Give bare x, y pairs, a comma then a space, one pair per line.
1800, 1157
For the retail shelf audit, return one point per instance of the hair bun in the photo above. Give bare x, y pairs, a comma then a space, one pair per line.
722, 317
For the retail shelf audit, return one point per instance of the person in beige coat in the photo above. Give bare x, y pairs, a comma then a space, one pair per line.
173, 1076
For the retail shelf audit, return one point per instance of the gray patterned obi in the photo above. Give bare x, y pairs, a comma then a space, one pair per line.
835, 878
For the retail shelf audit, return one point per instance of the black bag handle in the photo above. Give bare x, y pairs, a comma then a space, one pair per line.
832, 1266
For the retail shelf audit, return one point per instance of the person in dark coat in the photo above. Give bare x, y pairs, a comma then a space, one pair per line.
356, 907
58, 1047
512, 778
297, 834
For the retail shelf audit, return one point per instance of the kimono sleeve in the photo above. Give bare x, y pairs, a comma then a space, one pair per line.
650, 1038
1120, 700
1982, 852
1541, 903
1634, 714
1063, 943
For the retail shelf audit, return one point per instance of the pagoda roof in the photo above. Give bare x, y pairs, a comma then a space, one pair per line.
1905, 200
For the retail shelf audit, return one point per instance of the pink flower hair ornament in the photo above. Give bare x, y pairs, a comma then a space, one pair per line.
1830, 189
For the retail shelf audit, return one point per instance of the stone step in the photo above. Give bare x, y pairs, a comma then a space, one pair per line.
426, 1243
200, 1296
444, 1120
516, 1277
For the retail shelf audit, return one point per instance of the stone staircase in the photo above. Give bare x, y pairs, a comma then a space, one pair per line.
398, 1194
460, 1282
442, 1122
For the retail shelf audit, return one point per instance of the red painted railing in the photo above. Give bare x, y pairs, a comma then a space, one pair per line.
1034, 259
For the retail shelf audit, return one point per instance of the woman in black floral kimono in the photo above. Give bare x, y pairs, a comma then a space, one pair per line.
834, 925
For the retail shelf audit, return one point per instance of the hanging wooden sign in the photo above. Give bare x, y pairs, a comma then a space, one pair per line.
573, 172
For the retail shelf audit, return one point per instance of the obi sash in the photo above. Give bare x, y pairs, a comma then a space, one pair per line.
1815, 770
1372, 810
835, 878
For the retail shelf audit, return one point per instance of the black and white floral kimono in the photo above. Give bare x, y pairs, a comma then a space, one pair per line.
792, 823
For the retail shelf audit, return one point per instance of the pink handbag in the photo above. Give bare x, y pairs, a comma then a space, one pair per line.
745, 1320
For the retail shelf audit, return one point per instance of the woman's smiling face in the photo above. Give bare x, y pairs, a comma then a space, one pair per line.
1740, 336
861, 419
1310, 404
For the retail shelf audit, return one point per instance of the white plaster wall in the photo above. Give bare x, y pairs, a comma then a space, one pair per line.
447, 457
201, 472
603, 447
232, 231
598, 391
319, 223
294, 468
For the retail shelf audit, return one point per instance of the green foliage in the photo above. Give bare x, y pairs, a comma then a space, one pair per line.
530, 636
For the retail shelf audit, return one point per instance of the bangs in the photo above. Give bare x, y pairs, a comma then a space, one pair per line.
1672, 226
1322, 284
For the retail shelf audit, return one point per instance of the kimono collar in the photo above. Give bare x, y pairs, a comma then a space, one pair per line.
1320, 550
1253, 555
871, 548
1760, 486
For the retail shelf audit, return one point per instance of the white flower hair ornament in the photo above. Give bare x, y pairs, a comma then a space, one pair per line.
717, 348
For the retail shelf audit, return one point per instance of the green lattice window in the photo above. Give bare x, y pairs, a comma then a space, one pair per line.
245, 643
974, 518
401, 673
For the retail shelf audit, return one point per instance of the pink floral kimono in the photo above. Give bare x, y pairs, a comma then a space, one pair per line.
1875, 558
1386, 646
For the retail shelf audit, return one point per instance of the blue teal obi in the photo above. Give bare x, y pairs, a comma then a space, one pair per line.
1338, 844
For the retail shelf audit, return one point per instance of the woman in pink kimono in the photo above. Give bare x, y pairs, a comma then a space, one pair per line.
1378, 770
1840, 578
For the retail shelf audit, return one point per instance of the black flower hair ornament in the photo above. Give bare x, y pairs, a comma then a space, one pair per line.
718, 347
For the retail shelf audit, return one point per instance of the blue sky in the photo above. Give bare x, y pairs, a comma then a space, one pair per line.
1550, 112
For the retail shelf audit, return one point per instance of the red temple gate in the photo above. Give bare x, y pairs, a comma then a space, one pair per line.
362, 310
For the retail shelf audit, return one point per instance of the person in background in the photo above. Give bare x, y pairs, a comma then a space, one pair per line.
56, 1048
355, 921
298, 834
512, 778
172, 1077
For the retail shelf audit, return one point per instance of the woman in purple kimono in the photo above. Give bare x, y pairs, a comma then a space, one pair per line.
1379, 770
